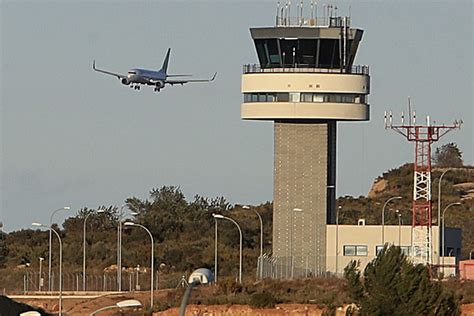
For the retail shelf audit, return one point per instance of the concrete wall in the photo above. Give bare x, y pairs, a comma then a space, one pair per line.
306, 82
371, 236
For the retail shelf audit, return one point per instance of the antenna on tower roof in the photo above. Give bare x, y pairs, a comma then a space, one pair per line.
301, 14
278, 14
289, 12
409, 111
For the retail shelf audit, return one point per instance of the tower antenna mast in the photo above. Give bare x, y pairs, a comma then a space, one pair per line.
423, 136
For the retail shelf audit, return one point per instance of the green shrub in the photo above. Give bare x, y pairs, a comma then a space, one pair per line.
261, 300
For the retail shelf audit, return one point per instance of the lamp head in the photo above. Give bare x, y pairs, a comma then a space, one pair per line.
100, 211
129, 224
246, 207
217, 215
398, 197
297, 209
37, 224
129, 303
67, 207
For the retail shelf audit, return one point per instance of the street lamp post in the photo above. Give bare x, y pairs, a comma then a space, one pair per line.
337, 239
215, 250
40, 283
295, 210
442, 233
246, 207
60, 264
152, 257
383, 217
119, 248
219, 216
84, 251
399, 228
439, 202
50, 242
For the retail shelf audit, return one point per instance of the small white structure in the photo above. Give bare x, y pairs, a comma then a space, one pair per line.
203, 275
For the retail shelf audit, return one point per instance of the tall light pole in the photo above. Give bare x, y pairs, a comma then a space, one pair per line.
399, 215
119, 248
215, 249
295, 210
119, 245
246, 207
219, 216
40, 283
439, 203
84, 250
152, 257
60, 264
442, 234
337, 239
383, 216
50, 242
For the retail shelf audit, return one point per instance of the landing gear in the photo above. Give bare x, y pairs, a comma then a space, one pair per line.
157, 89
137, 87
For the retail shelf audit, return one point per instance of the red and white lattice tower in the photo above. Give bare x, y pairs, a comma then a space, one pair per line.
423, 136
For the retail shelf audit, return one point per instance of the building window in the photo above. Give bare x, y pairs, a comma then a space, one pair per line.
307, 97
349, 250
405, 250
361, 251
282, 97
356, 250
378, 249
319, 98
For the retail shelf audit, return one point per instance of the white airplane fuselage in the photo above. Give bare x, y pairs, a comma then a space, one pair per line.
145, 76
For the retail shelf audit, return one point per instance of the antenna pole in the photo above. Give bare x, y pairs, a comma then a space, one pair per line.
423, 136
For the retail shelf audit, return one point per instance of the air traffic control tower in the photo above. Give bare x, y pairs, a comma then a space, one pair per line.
305, 82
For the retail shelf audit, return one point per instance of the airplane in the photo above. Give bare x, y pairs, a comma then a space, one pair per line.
135, 77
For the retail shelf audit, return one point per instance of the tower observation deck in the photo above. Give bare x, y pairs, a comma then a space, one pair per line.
305, 82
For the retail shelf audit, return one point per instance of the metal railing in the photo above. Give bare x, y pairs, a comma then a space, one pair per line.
292, 267
324, 21
255, 68
106, 282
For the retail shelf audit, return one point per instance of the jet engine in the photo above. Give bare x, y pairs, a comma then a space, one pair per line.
160, 84
125, 81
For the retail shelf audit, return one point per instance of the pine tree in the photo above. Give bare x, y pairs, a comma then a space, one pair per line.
448, 155
392, 285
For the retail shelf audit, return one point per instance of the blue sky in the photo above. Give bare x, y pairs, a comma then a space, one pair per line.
70, 136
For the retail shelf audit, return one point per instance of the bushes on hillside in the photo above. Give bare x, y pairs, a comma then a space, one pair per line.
262, 300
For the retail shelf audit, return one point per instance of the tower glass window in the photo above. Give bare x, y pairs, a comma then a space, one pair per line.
329, 53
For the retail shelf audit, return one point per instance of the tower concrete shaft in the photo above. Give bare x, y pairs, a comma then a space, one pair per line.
305, 82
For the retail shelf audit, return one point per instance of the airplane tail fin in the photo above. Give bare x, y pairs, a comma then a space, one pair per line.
164, 68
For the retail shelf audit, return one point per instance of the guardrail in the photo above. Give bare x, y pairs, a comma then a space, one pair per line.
255, 68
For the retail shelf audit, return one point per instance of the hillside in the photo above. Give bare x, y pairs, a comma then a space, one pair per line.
184, 230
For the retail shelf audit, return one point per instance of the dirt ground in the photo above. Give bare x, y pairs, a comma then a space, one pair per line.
83, 307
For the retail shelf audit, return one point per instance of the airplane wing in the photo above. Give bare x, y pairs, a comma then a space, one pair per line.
173, 82
119, 76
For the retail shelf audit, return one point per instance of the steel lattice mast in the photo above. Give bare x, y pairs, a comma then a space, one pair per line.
423, 136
